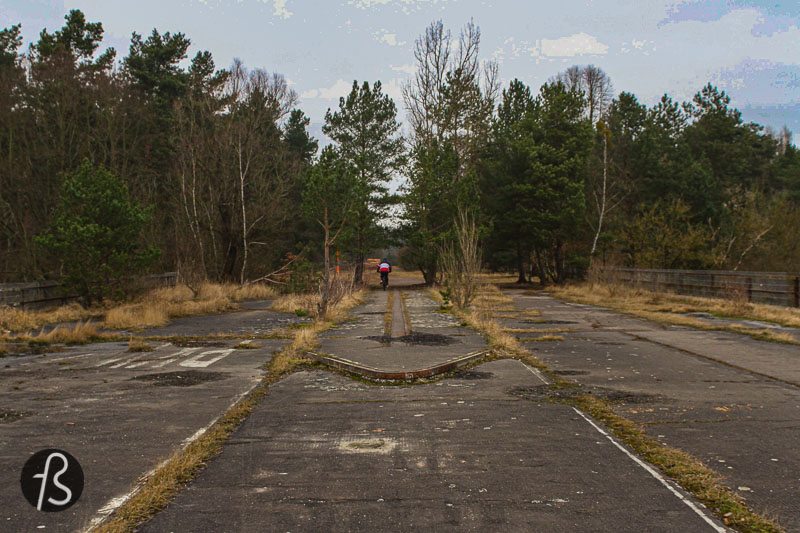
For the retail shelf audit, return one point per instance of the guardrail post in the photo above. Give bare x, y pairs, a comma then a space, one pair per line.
749, 289
797, 291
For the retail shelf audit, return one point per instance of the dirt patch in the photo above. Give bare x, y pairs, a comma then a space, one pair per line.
7, 415
185, 378
426, 339
472, 374
381, 446
550, 392
383, 339
205, 343
419, 339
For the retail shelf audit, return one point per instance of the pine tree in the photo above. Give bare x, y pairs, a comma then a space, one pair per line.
365, 129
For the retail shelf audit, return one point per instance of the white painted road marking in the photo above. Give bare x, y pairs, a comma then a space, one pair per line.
656, 475
108, 362
195, 361
183, 352
535, 372
110, 506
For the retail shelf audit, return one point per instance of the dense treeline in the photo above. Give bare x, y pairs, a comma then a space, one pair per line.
215, 165
216, 157
573, 175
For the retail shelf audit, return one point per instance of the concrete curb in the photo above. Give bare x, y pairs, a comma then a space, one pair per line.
383, 375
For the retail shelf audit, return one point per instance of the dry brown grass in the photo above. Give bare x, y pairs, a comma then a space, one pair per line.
138, 346
541, 330
151, 310
158, 306
306, 304
639, 299
137, 316
670, 308
480, 319
255, 291
80, 333
497, 278
292, 303
247, 345
17, 320
544, 338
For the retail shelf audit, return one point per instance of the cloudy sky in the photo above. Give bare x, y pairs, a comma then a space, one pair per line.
749, 48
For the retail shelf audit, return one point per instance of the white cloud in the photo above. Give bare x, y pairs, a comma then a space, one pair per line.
280, 9
339, 89
395, 90
670, 61
408, 69
406, 5
575, 45
366, 4
385, 37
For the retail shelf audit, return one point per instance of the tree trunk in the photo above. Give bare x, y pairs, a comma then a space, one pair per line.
429, 274
602, 198
561, 274
358, 275
520, 265
540, 267
323, 304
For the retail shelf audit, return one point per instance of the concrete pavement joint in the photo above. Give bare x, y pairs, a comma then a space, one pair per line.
381, 376
713, 359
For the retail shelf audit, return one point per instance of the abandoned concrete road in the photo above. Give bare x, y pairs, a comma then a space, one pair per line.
480, 450
120, 414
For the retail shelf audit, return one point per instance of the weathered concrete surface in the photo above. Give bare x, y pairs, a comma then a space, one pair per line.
434, 337
324, 453
743, 425
119, 414
254, 319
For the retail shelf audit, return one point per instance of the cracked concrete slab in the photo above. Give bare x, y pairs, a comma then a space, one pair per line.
118, 413
456, 455
743, 422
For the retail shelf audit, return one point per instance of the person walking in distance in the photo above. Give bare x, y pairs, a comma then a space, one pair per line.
384, 268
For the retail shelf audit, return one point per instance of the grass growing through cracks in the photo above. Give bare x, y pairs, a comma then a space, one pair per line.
689, 472
156, 491
670, 308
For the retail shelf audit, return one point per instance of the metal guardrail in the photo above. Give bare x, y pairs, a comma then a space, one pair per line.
775, 288
39, 294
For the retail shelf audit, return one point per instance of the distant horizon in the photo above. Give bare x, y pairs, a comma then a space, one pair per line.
745, 47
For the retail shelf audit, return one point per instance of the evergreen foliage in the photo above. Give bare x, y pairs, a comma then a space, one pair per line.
96, 233
222, 158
